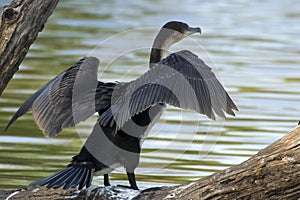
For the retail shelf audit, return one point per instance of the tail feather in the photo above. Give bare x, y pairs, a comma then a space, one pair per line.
58, 182
85, 180
46, 180
68, 178
73, 181
79, 178
88, 180
61, 179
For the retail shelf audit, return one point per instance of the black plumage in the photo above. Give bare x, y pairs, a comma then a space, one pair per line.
127, 111
167, 82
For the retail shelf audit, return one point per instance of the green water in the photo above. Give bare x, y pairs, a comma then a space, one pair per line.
253, 46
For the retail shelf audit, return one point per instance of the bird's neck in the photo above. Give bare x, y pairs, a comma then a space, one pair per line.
160, 45
156, 56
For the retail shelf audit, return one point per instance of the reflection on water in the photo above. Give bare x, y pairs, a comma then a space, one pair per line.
256, 54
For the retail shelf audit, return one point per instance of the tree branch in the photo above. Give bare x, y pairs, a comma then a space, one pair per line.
21, 21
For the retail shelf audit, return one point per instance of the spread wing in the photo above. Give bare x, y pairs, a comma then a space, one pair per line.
67, 99
182, 80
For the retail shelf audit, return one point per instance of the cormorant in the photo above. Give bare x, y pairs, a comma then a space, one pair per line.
127, 111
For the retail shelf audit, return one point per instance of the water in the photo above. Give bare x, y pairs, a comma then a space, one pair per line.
253, 46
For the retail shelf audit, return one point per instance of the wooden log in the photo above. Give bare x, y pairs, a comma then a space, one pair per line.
21, 21
273, 173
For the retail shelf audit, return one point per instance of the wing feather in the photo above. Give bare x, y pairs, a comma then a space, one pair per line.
67, 99
182, 80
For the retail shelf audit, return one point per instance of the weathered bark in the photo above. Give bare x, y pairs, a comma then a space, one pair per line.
21, 21
273, 173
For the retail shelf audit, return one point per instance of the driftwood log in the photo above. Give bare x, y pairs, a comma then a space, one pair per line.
21, 21
273, 173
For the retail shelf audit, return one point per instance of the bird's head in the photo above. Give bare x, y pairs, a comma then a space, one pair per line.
169, 34
174, 31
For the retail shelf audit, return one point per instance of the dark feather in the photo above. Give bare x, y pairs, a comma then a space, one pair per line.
86, 178
70, 177
46, 180
67, 99
72, 180
182, 80
61, 179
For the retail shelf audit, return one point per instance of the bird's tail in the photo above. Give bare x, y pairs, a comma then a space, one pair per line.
72, 176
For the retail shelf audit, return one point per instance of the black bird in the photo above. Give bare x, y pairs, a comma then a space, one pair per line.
127, 111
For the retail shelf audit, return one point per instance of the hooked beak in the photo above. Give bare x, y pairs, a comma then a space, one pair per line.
193, 30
